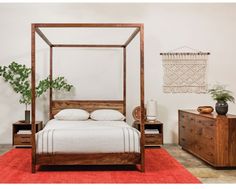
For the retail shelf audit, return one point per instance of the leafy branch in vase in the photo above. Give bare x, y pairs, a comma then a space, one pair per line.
18, 76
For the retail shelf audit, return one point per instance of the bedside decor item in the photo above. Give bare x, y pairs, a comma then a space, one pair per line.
151, 110
205, 109
18, 76
185, 72
137, 112
222, 96
27, 116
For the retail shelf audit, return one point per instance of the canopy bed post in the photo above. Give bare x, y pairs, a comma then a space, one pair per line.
50, 78
142, 97
124, 79
33, 97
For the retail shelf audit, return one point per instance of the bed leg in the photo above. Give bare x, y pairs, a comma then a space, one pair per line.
143, 161
142, 167
33, 168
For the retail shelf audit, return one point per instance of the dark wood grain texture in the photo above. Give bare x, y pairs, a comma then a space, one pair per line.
33, 105
50, 78
40, 33
88, 46
88, 105
132, 37
124, 79
24, 139
88, 25
142, 140
209, 136
89, 159
151, 139
222, 147
232, 141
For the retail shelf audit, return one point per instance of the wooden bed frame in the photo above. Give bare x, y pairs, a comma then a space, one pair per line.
89, 105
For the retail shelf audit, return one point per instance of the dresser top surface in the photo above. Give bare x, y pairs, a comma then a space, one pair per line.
212, 115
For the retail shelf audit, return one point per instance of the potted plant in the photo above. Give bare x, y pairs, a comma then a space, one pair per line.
222, 96
18, 76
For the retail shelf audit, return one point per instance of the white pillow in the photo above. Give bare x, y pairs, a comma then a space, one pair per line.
107, 115
72, 115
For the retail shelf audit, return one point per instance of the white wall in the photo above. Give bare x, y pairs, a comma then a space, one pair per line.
207, 27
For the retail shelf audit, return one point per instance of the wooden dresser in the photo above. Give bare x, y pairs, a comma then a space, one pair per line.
209, 137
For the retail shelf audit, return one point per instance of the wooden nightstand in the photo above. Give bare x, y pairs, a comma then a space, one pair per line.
23, 138
152, 138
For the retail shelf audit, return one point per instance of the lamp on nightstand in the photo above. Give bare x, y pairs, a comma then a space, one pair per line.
151, 110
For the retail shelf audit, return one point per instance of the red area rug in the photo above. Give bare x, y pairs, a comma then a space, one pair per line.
15, 167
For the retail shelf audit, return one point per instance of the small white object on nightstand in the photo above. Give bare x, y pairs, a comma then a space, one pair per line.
151, 110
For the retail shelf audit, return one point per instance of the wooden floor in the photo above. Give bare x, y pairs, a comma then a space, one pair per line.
204, 172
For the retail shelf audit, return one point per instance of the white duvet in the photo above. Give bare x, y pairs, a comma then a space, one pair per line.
87, 137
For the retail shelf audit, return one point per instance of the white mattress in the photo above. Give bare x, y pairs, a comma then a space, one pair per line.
87, 137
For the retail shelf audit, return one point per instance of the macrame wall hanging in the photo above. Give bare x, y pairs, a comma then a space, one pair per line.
185, 72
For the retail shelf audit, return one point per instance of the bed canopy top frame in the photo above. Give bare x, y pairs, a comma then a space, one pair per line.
55, 105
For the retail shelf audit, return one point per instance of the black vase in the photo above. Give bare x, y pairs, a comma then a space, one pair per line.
27, 116
221, 107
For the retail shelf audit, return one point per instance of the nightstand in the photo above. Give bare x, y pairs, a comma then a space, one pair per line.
21, 133
153, 132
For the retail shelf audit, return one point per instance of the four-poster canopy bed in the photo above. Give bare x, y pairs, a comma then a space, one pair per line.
89, 105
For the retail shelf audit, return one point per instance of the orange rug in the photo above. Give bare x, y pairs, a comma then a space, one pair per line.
15, 167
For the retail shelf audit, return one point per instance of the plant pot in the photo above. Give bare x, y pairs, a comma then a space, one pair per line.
221, 107
27, 116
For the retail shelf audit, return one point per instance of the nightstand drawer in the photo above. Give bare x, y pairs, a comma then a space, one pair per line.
21, 139
153, 139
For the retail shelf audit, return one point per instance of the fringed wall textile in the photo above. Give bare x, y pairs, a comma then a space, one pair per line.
185, 72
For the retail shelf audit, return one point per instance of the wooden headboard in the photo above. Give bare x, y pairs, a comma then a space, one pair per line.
88, 105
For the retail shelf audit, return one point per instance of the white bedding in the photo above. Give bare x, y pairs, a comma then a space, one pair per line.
87, 137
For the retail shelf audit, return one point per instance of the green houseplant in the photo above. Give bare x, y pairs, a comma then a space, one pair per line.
222, 96
18, 76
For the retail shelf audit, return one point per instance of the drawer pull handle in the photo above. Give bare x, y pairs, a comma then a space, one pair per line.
191, 119
199, 132
183, 126
25, 137
25, 142
182, 139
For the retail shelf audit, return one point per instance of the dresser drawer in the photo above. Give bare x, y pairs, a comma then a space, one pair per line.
153, 139
206, 150
205, 130
202, 121
183, 141
184, 117
22, 139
